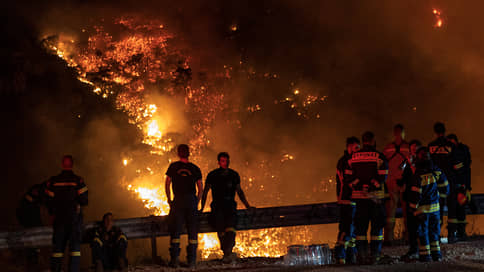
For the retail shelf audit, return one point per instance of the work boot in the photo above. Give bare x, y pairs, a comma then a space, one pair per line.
229, 258
174, 262
192, 255
410, 257
461, 232
99, 266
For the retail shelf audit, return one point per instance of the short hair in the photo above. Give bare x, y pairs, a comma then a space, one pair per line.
352, 140
452, 136
69, 158
398, 127
106, 215
422, 149
367, 137
183, 151
439, 128
224, 155
415, 142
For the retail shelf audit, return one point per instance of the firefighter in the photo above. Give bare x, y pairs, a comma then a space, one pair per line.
396, 152
463, 184
424, 204
182, 177
442, 152
109, 246
345, 250
224, 182
409, 218
367, 175
66, 194
29, 216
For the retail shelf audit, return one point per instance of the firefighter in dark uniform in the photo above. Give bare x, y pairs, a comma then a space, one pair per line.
345, 249
184, 176
368, 172
224, 182
426, 184
463, 184
29, 216
405, 183
109, 246
66, 194
442, 152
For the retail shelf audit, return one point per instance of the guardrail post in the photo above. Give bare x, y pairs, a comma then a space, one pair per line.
154, 249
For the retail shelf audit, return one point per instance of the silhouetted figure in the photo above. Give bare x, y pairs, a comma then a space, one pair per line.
109, 246
345, 250
66, 194
183, 176
224, 183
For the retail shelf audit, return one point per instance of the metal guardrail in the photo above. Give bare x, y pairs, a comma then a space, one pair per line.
156, 226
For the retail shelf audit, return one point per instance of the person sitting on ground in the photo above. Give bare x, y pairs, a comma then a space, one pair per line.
109, 246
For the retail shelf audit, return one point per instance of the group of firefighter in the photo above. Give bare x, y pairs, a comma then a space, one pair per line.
65, 194
370, 187
421, 179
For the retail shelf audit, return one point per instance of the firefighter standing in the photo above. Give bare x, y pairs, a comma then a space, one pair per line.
66, 193
442, 152
368, 172
184, 175
345, 250
29, 216
424, 204
224, 182
463, 185
411, 222
396, 152
109, 246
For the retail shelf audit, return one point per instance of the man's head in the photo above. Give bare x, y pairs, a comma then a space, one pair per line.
423, 154
414, 145
67, 162
223, 160
108, 220
183, 151
453, 138
352, 144
398, 132
368, 138
439, 129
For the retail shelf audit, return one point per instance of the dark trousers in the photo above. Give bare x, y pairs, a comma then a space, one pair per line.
66, 232
456, 221
429, 236
345, 246
412, 230
368, 212
109, 255
224, 219
184, 211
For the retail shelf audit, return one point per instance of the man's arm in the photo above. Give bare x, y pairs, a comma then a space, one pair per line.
241, 194
204, 196
199, 190
168, 189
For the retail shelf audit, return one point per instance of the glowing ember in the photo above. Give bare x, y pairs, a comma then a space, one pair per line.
438, 19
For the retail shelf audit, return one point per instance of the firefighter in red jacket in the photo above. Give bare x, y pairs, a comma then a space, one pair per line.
369, 170
397, 153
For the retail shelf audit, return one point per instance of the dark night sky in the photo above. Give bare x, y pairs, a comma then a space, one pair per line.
374, 60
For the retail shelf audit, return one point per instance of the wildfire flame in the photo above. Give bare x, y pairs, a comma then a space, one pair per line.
438, 19
132, 65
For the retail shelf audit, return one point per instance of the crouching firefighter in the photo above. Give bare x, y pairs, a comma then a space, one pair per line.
109, 246
424, 204
367, 180
66, 194
345, 249
184, 175
224, 182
